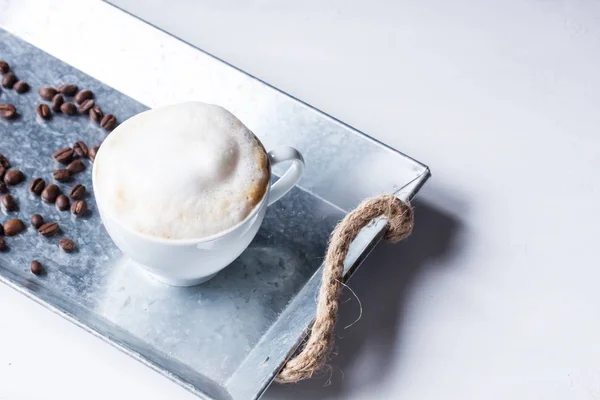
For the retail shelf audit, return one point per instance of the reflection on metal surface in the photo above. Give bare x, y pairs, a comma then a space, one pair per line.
225, 339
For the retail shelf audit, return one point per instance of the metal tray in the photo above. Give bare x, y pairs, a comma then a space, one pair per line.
225, 339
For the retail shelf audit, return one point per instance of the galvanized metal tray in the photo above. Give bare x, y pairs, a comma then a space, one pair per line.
225, 339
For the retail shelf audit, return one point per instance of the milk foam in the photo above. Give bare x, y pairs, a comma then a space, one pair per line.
184, 171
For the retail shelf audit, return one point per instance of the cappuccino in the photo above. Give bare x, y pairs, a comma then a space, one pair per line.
185, 171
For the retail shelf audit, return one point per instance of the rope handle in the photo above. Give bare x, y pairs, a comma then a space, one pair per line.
320, 340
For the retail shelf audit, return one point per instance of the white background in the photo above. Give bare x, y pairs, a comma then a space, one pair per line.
496, 294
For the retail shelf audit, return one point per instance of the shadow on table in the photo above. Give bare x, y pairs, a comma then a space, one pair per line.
382, 283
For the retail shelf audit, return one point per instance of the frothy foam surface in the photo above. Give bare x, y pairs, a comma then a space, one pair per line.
184, 171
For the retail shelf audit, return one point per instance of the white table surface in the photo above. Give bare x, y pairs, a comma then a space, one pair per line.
496, 294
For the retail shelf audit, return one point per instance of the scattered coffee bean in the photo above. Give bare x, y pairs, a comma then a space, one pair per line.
3, 187
86, 106
48, 229
4, 67
83, 95
37, 186
3, 246
77, 192
43, 111
67, 245
79, 207
7, 111
36, 267
50, 193
61, 175
75, 167
64, 155
2, 173
96, 114
81, 149
68, 89
21, 87
62, 202
68, 108
47, 93
92, 152
108, 122
8, 80
13, 227
57, 102
13, 177
8, 202
4, 161
37, 220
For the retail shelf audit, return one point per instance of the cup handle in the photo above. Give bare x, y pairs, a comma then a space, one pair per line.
291, 176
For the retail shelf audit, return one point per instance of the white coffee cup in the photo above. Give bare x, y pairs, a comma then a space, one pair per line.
188, 262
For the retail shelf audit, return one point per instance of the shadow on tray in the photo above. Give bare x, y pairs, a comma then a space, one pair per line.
383, 284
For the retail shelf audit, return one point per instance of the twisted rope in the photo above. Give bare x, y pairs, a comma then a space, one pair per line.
316, 350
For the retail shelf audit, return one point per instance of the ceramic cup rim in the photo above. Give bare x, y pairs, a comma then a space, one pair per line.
175, 242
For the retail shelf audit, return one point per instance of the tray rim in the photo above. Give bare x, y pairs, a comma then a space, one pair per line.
36, 292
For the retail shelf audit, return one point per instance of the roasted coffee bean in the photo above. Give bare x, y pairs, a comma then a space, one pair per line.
13, 177
37, 186
92, 152
57, 101
4, 161
68, 89
8, 202
79, 207
83, 95
81, 149
62, 202
48, 229
75, 167
8, 80
96, 114
36, 267
4, 67
67, 245
2, 172
64, 155
108, 122
21, 87
37, 220
61, 175
13, 227
8, 111
47, 93
77, 192
43, 111
86, 106
3, 187
3, 246
68, 108
50, 193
